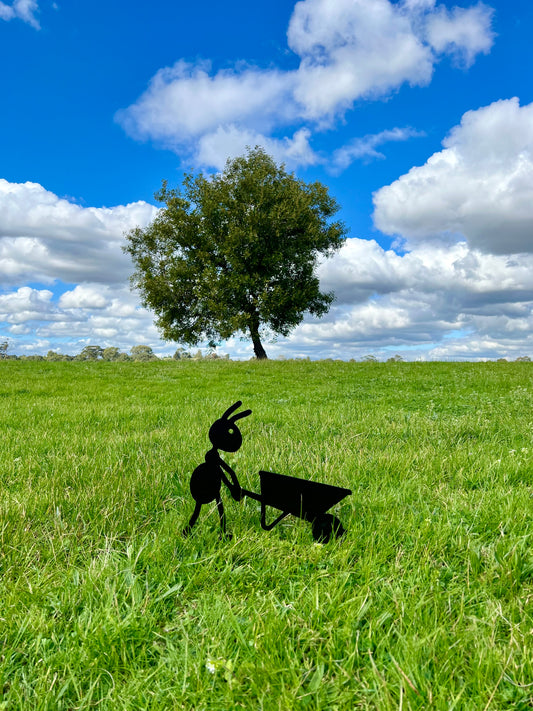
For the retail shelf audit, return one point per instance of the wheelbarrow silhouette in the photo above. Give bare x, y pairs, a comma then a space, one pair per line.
308, 500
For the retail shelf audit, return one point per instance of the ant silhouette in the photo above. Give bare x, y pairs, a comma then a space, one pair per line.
207, 478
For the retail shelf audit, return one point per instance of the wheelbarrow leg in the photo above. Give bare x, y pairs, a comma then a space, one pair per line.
264, 525
269, 526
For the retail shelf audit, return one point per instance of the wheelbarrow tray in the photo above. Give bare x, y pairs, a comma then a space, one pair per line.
299, 497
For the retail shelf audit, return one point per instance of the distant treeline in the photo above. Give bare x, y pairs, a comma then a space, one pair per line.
92, 353
145, 353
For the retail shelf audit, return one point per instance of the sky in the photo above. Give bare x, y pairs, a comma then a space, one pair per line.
417, 115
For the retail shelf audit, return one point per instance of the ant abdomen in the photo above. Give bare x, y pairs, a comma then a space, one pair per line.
205, 483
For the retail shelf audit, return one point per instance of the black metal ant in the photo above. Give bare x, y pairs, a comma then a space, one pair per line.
207, 478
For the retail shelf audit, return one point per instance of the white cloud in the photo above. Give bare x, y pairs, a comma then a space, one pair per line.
83, 297
214, 149
479, 188
351, 50
366, 147
26, 304
348, 50
184, 101
229, 142
44, 237
432, 301
463, 32
25, 10
467, 279
89, 313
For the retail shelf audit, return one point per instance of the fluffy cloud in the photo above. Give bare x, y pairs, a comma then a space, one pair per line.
348, 50
184, 101
26, 304
366, 147
466, 280
83, 296
463, 32
44, 237
229, 142
353, 49
89, 313
22, 9
469, 303
213, 149
479, 188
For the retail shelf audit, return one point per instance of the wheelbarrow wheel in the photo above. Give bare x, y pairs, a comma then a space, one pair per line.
324, 526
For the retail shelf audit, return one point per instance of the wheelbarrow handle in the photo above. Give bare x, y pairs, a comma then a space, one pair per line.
251, 494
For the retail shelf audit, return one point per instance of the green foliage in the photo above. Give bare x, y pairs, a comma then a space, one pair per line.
111, 353
90, 353
427, 602
180, 354
142, 353
53, 356
236, 252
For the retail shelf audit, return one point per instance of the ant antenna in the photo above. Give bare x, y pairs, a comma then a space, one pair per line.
244, 413
231, 409
235, 406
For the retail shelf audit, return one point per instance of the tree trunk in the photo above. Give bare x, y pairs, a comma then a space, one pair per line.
259, 351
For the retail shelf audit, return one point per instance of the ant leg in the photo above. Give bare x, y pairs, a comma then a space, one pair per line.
220, 507
193, 520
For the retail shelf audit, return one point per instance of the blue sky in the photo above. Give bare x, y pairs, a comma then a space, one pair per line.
417, 114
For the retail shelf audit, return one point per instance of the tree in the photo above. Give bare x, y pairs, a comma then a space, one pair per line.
4, 345
54, 356
181, 354
143, 353
111, 353
235, 252
90, 353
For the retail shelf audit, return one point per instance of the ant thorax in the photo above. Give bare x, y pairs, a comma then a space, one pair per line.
213, 457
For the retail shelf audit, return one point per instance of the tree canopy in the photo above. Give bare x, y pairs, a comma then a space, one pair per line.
235, 253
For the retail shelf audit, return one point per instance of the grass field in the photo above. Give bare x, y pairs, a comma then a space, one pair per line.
426, 603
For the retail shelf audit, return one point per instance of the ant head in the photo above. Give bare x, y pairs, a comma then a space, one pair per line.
224, 433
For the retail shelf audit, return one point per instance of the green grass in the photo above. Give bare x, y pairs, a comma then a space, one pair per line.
426, 603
